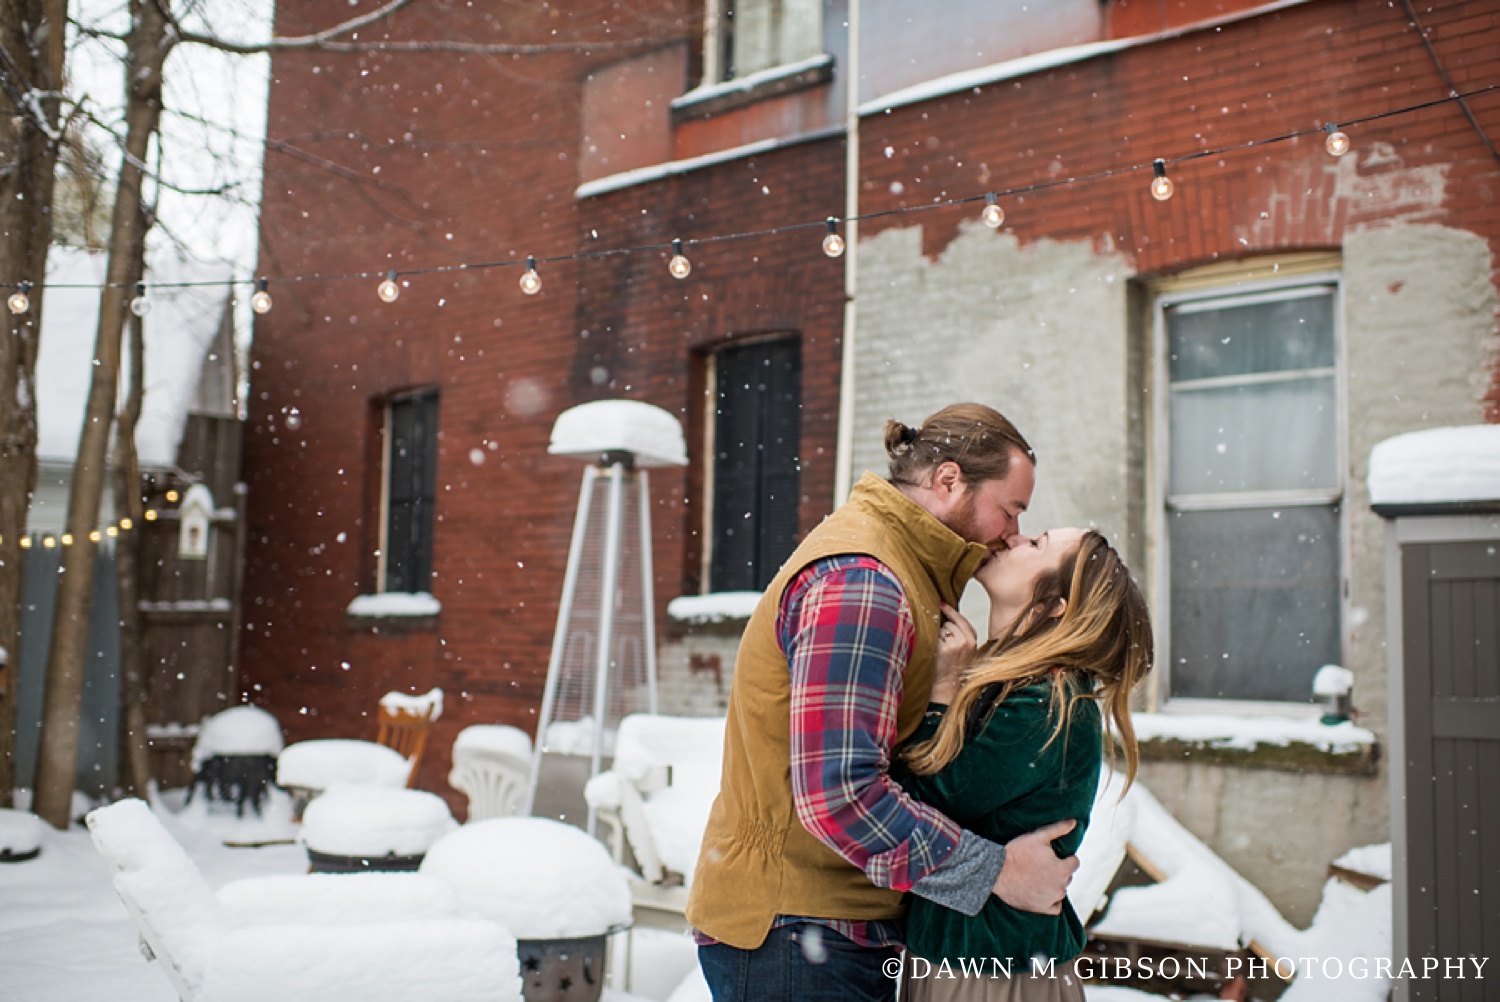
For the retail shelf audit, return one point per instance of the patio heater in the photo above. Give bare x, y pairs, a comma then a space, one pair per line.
603, 662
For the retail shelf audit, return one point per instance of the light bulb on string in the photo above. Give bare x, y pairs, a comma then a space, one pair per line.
20, 300
833, 243
679, 266
1161, 185
1337, 144
531, 282
993, 215
261, 301
388, 290
140, 305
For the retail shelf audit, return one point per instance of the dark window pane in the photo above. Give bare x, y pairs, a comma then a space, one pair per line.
1204, 342
411, 482
756, 469
1255, 601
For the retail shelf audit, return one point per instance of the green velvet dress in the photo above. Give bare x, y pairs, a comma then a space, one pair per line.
1004, 783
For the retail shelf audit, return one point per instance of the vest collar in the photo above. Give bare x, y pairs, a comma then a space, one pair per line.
950, 560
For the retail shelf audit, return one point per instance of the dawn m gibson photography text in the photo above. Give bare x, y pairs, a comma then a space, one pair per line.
1130, 969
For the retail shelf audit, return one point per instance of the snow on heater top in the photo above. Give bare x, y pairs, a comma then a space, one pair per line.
1437, 466
650, 434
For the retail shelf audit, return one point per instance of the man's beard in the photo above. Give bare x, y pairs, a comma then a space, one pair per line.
964, 520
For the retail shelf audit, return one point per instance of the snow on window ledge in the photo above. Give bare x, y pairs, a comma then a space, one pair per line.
395, 605
714, 608
711, 99
1296, 743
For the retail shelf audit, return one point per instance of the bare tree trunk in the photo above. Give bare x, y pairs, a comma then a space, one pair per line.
148, 44
135, 756
31, 78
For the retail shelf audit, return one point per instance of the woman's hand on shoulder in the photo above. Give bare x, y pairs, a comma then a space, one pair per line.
955, 650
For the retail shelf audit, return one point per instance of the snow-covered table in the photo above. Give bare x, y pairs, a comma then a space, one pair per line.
552, 886
351, 829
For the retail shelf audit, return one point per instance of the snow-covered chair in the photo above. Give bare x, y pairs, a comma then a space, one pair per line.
656, 800
491, 765
309, 767
377, 936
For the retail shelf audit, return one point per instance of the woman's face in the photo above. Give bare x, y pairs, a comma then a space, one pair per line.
1009, 576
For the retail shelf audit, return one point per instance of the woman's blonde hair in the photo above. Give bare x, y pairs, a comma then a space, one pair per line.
1102, 639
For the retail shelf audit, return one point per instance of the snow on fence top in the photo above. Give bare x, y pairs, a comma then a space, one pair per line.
647, 431
1439, 465
239, 730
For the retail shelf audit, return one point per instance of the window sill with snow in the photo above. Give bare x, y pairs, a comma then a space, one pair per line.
1287, 743
714, 99
394, 612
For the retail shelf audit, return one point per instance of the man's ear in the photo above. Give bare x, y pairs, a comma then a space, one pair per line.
947, 478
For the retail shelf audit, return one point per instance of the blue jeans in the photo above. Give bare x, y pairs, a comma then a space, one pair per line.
805, 962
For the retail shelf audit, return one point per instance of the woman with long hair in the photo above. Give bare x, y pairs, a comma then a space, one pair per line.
1014, 741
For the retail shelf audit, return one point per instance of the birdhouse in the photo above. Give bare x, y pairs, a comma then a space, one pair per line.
196, 513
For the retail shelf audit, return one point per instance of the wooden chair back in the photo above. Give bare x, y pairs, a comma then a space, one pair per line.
405, 731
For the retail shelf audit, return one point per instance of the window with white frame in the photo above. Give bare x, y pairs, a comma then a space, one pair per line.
1253, 490
756, 477
409, 492
742, 37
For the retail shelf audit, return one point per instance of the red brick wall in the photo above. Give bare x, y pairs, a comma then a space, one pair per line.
485, 170
1255, 79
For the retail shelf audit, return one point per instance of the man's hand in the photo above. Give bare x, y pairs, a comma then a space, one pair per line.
1033, 879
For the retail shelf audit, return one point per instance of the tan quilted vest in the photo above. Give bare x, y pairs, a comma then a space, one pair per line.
757, 861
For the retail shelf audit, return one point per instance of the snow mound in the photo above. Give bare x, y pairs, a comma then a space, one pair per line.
587, 431
375, 821
239, 730
539, 878
20, 832
500, 738
1437, 465
429, 704
317, 765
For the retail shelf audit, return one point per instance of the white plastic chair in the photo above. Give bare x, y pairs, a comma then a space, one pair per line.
491, 765
378, 937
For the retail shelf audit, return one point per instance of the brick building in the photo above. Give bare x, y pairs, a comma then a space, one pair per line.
1071, 317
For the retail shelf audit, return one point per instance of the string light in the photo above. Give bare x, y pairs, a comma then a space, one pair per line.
25, 542
833, 244
150, 514
95, 536
172, 497
126, 525
67, 539
679, 266
261, 301
388, 290
1337, 143
48, 542
112, 531
20, 300
531, 282
1161, 185
140, 305
993, 215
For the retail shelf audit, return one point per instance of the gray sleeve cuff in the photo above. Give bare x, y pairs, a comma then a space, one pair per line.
965, 880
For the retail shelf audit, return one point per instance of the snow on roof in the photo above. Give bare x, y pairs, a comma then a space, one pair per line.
655, 172
1436, 466
645, 430
1228, 731
714, 608
539, 878
181, 326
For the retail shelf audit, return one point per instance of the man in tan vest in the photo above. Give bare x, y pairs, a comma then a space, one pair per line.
810, 845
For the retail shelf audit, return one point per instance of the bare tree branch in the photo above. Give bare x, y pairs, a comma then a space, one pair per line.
313, 41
